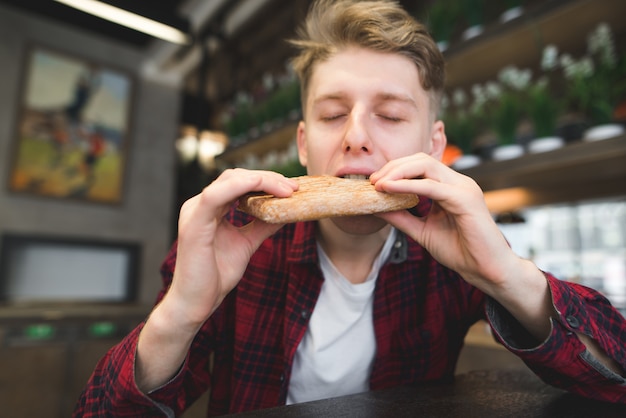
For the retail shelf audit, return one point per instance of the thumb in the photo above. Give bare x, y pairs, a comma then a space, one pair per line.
258, 231
406, 222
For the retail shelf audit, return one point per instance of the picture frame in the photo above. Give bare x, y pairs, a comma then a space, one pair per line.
58, 269
72, 133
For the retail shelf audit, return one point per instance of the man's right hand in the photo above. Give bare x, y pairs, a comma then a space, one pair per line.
212, 256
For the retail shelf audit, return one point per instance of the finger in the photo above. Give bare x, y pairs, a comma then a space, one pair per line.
258, 231
400, 167
420, 187
453, 198
405, 222
215, 200
237, 182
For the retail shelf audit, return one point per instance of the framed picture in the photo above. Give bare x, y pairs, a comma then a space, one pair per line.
72, 133
60, 269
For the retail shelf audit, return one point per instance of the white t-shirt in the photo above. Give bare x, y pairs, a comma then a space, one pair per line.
336, 353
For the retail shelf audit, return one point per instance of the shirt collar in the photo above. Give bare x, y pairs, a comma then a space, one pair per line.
303, 247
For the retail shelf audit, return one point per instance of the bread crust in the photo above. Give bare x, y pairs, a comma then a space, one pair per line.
324, 197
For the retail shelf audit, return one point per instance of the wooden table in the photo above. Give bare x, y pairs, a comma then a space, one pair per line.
492, 394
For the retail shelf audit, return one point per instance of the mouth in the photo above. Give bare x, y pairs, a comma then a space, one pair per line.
355, 177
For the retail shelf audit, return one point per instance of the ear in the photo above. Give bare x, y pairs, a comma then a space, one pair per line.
301, 141
438, 140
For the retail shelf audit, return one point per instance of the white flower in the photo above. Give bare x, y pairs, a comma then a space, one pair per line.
577, 69
480, 98
515, 78
550, 58
493, 90
445, 103
459, 97
600, 42
268, 82
523, 79
586, 67
242, 98
566, 61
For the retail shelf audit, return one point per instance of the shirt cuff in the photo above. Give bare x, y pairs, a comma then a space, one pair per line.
127, 393
571, 318
562, 346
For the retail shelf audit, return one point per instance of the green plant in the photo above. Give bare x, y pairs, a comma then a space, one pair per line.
543, 109
597, 81
506, 116
441, 18
276, 107
474, 11
292, 168
513, 3
461, 130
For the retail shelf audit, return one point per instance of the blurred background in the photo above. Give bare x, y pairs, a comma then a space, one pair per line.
106, 130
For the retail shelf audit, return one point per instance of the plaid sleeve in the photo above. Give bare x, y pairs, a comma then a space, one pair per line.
562, 360
112, 390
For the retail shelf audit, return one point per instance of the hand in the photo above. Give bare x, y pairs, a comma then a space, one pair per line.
212, 256
459, 230
460, 233
212, 253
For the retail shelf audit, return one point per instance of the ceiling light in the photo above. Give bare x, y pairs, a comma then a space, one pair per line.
129, 19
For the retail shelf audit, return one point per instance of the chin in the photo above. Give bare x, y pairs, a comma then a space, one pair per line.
359, 225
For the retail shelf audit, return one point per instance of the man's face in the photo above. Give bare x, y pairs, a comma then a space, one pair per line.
363, 109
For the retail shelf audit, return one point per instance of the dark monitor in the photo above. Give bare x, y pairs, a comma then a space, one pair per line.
53, 269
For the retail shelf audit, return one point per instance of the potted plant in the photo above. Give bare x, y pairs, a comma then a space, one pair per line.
460, 127
441, 17
461, 131
507, 111
480, 113
596, 83
544, 110
514, 9
474, 11
506, 116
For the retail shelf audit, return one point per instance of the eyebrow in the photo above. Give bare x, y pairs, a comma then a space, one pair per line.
384, 96
329, 97
397, 98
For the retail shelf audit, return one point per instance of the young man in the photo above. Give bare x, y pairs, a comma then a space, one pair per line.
317, 309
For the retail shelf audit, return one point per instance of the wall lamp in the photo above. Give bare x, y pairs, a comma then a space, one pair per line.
201, 146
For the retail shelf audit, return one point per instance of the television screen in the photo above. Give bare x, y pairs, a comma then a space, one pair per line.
45, 269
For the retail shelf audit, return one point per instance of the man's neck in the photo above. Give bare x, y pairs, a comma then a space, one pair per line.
352, 254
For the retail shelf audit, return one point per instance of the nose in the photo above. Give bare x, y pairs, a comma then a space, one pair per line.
356, 137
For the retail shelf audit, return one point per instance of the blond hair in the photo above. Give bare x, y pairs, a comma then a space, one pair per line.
382, 25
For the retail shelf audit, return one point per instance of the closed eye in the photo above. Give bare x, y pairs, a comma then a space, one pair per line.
390, 118
332, 117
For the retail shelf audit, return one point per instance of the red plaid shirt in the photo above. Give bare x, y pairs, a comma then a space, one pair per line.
422, 312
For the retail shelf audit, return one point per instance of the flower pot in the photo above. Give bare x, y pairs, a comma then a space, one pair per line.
512, 13
443, 45
571, 127
466, 161
605, 131
472, 32
544, 144
507, 152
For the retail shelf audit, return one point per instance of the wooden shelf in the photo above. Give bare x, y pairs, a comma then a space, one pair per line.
520, 42
70, 312
576, 172
579, 171
278, 140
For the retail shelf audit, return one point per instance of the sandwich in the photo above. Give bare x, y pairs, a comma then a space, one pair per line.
321, 197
